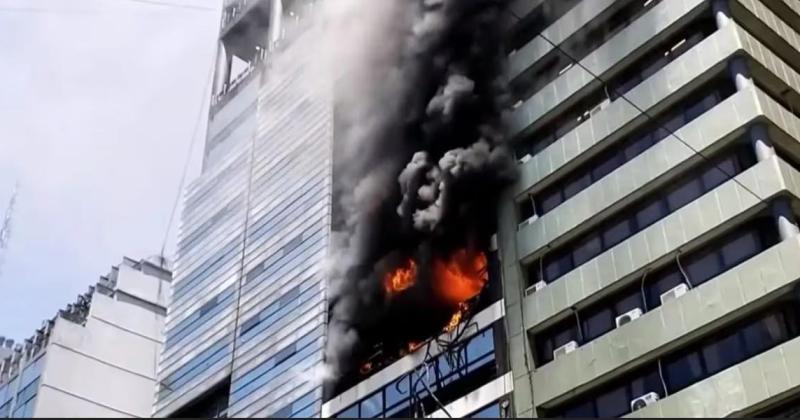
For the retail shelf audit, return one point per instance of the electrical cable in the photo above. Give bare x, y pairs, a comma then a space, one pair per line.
157, 3
683, 272
644, 113
644, 296
192, 141
578, 323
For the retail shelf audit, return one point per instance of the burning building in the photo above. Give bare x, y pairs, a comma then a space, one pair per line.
416, 187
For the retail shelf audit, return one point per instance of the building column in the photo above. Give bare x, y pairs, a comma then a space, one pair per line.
739, 70
759, 138
222, 69
784, 217
722, 12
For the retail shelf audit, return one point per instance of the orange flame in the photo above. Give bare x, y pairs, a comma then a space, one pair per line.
365, 368
461, 276
456, 318
401, 278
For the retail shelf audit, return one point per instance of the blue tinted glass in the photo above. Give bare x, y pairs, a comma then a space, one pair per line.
724, 353
480, 345
197, 365
490, 412
398, 391
684, 371
348, 413
613, 403
371, 406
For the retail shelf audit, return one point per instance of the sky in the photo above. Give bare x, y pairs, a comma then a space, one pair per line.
99, 100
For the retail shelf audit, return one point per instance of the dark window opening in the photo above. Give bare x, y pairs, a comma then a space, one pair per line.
693, 363
578, 47
720, 255
537, 21
626, 80
628, 148
643, 213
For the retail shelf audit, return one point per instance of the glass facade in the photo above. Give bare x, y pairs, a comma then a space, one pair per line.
450, 376
248, 299
18, 396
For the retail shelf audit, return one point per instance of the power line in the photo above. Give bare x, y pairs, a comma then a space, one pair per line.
173, 5
156, 3
188, 159
644, 113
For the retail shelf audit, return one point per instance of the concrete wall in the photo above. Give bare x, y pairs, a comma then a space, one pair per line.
754, 383
106, 367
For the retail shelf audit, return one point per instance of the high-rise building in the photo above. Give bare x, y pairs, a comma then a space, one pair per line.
97, 357
245, 327
650, 247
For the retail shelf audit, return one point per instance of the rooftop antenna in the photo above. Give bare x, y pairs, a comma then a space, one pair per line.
5, 228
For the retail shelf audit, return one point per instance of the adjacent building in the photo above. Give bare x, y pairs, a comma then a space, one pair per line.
97, 357
245, 328
649, 248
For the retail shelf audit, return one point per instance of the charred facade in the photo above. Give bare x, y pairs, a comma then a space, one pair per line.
416, 180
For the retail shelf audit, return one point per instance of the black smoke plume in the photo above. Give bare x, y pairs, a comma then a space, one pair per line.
419, 156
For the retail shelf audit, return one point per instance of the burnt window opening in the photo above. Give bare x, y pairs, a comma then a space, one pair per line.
450, 375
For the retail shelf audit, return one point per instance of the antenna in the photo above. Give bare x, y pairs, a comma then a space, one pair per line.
5, 228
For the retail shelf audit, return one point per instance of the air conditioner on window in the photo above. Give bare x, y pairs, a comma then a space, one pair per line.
528, 221
644, 401
565, 349
628, 317
674, 293
536, 287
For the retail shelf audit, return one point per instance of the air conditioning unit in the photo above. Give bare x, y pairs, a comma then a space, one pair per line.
565, 349
644, 401
528, 221
525, 158
674, 293
539, 285
628, 317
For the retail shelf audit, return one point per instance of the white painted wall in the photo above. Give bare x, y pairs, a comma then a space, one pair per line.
106, 367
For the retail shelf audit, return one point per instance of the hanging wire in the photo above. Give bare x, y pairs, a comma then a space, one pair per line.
683, 272
644, 113
644, 296
188, 159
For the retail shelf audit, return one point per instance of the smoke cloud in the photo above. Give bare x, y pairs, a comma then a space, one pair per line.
419, 154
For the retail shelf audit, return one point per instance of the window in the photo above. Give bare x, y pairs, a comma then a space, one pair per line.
371, 406
628, 148
701, 265
491, 411
684, 371
635, 73
453, 377
695, 362
635, 218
